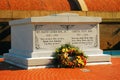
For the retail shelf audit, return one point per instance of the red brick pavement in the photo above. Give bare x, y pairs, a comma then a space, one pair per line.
98, 72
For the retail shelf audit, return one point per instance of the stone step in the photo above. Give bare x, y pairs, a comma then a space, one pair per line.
42, 62
99, 59
27, 63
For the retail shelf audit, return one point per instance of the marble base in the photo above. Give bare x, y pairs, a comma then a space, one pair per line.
98, 59
43, 62
28, 63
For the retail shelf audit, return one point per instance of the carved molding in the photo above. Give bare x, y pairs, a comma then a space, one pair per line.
67, 27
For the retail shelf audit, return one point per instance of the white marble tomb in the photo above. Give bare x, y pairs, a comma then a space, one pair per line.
33, 40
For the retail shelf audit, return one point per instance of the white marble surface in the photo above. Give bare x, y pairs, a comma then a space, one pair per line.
58, 18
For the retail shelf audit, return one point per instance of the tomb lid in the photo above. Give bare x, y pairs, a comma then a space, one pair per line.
68, 18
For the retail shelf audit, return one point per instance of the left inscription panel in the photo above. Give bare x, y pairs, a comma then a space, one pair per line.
49, 36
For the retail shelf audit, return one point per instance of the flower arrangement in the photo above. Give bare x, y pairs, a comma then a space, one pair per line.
69, 56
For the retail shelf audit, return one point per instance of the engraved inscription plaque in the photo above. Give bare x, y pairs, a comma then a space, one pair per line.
51, 36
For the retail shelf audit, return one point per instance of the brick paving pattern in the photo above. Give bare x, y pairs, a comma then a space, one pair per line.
98, 72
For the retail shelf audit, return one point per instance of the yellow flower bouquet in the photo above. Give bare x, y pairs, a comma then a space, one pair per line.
69, 56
